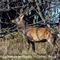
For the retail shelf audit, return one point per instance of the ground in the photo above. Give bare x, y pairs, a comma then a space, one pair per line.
15, 45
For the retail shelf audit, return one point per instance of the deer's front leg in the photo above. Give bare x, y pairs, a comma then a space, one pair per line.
28, 44
33, 46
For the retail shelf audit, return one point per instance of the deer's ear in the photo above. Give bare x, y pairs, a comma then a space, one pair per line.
22, 16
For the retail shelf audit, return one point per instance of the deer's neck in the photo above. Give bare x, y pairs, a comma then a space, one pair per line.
22, 26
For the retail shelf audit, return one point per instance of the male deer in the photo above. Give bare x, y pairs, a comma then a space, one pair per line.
35, 34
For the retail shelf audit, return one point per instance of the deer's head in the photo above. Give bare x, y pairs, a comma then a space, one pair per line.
19, 20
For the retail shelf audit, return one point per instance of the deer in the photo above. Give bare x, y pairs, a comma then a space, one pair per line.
35, 34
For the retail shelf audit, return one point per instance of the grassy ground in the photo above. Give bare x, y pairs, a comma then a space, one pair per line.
14, 44
25, 59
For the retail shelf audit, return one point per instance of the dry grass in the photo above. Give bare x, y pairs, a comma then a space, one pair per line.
14, 45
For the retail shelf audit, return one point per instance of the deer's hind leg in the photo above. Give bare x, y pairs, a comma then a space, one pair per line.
50, 42
53, 49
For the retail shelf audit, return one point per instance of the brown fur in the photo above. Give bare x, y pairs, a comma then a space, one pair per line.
38, 33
